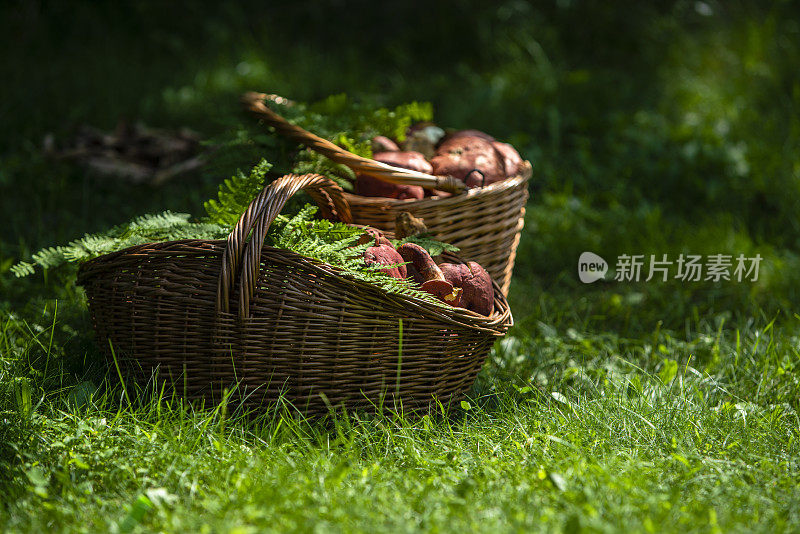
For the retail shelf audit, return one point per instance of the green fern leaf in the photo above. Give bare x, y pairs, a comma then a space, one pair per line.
166, 226
22, 268
235, 194
433, 246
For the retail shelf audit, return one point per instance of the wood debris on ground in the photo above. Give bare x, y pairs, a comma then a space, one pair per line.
132, 152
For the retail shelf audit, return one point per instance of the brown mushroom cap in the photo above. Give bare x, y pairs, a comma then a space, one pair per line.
407, 160
461, 156
455, 272
476, 284
466, 133
413, 273
383, 144
369, 186
437, 193
511, 157
375, 236
386, 255
421, 260
444, 291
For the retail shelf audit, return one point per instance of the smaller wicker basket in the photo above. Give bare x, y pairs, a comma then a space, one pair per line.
211, 315
485, 223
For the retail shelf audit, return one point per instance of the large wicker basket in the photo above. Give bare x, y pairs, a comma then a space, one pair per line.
485, 223
211, 315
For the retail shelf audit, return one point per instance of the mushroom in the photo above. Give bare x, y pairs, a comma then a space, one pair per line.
423, 137
466, 133
437, 193
424, 271
473, 160
374, 235
511, 157
384, 144
386, 255
476, 285
370, 186
406, 225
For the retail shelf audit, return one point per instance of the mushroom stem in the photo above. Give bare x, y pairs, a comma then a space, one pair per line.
427, 273
476, 284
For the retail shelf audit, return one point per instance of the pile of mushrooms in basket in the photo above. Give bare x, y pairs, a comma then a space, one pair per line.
464, 285
470, 156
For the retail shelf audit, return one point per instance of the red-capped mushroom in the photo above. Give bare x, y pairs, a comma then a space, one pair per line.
375, 236
386, 255
383, 144
427, 273
437, 193
407, 160
369, 186
511, 157
476, 285
466, 133
473, 160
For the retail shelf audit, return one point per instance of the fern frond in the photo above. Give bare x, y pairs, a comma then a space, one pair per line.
433, 246
351, 125
22, 268
309, 162
158, 221
165, 226
50, 257
337, 116
235, 194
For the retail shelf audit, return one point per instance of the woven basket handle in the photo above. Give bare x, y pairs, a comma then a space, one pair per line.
258, 217
254, 102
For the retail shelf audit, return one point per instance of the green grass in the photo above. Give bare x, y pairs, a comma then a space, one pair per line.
598, 432
642, 407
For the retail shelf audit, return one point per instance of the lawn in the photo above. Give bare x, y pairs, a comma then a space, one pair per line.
642, 406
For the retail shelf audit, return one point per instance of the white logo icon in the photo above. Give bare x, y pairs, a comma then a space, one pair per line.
591, 267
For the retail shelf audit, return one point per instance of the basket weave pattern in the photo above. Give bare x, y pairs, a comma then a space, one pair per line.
210, 315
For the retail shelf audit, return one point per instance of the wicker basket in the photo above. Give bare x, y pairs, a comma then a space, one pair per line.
212, 314
485, 223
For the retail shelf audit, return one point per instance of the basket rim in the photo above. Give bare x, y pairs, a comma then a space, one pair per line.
467, 196
497, 324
